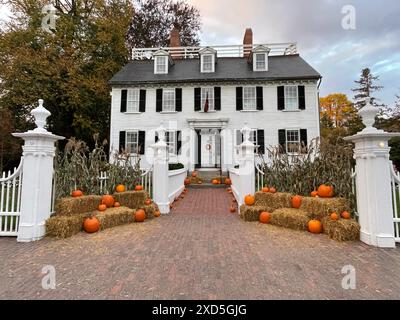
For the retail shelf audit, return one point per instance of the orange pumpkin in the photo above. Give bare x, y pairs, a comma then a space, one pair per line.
265, 217
187, 181
314, 194
265, 189
116, 204
139, 188
334, 216
108, 200
140, 215
215, 181
76, 193
147, 202
249, 200
346, 215
325, 191
272, 190
228, 181
102, 207
296, 202
315, 226
91, 225
194, 174
157, 214
200, 182
230, 191
232, 209
120, 188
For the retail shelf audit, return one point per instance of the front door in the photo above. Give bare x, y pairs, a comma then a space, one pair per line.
208, 150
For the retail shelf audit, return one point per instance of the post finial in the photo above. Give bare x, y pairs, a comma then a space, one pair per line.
40, 115
246, 132
368, 114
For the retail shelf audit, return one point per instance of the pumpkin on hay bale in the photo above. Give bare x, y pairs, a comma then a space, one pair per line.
73, 206
296, 219
342, 229
323, 207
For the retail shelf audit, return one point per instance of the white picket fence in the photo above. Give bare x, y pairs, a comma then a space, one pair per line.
10, 201
395, 181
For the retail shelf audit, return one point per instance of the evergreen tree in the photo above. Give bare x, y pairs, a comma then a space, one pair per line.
366, 88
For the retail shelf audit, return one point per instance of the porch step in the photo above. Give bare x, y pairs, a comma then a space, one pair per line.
206, 186
207, 175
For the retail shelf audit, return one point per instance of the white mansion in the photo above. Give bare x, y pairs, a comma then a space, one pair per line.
205, 95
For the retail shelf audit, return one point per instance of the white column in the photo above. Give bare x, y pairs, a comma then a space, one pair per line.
160, 172
37, 177
192, 149
373, 181
246, 165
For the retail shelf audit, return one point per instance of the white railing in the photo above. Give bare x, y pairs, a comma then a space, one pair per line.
259, 178
276, 49
235, 186
10, 201
176, 183
395, 182
354, 192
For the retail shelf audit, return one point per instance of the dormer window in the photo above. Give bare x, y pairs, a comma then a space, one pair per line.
259, 58
161, 62
207, 60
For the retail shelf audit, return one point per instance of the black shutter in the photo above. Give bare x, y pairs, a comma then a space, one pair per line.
282, 139
178, 99
156, 137
124, 95
239, 98
260, 141
239, 137
217, 98
197, 99
281, 98
122, 139
159, 100
142, 146
260, 98
303, 139
179, 142
142, 102
302, 98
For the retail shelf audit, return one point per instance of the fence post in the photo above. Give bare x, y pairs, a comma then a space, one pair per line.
37, 177
373, 181
160, 172
247, 183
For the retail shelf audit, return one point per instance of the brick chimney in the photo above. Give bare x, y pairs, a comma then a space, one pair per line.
248, 41
174, 40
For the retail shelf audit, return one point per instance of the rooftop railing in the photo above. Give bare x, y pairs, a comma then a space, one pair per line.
238, 51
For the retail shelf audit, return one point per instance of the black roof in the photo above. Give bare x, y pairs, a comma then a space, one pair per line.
288, 67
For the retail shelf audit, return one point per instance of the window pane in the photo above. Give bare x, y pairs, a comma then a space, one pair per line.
292, 141
249, 98
169, 100
260, 61
161, 64
210, 93
132, 142
207, 62
291, 100
133, 101
170, 140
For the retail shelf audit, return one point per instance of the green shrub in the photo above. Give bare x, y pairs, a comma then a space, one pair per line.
175, 166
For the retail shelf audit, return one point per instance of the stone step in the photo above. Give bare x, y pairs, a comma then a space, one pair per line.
207, 186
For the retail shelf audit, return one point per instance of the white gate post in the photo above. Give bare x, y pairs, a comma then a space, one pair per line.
37, 177
160, 172
246, 165
373, 181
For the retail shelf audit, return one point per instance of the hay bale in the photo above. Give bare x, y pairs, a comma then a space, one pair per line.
273, 201
250, 213
342, 229
323, 207
72, 206
150, 209
65, 226
131, 199
113, 217
291, 218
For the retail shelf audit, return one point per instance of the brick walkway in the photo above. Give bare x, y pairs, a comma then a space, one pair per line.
200, 251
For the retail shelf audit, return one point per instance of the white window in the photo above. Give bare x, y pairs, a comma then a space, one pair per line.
260, 62
170, 139
292, 141
207, 63
207, 92
132, 142
253, 136
291, 98
133, 99
169, 100
249, 98
161, 65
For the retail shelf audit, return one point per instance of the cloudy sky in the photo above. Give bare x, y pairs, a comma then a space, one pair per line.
316, 25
